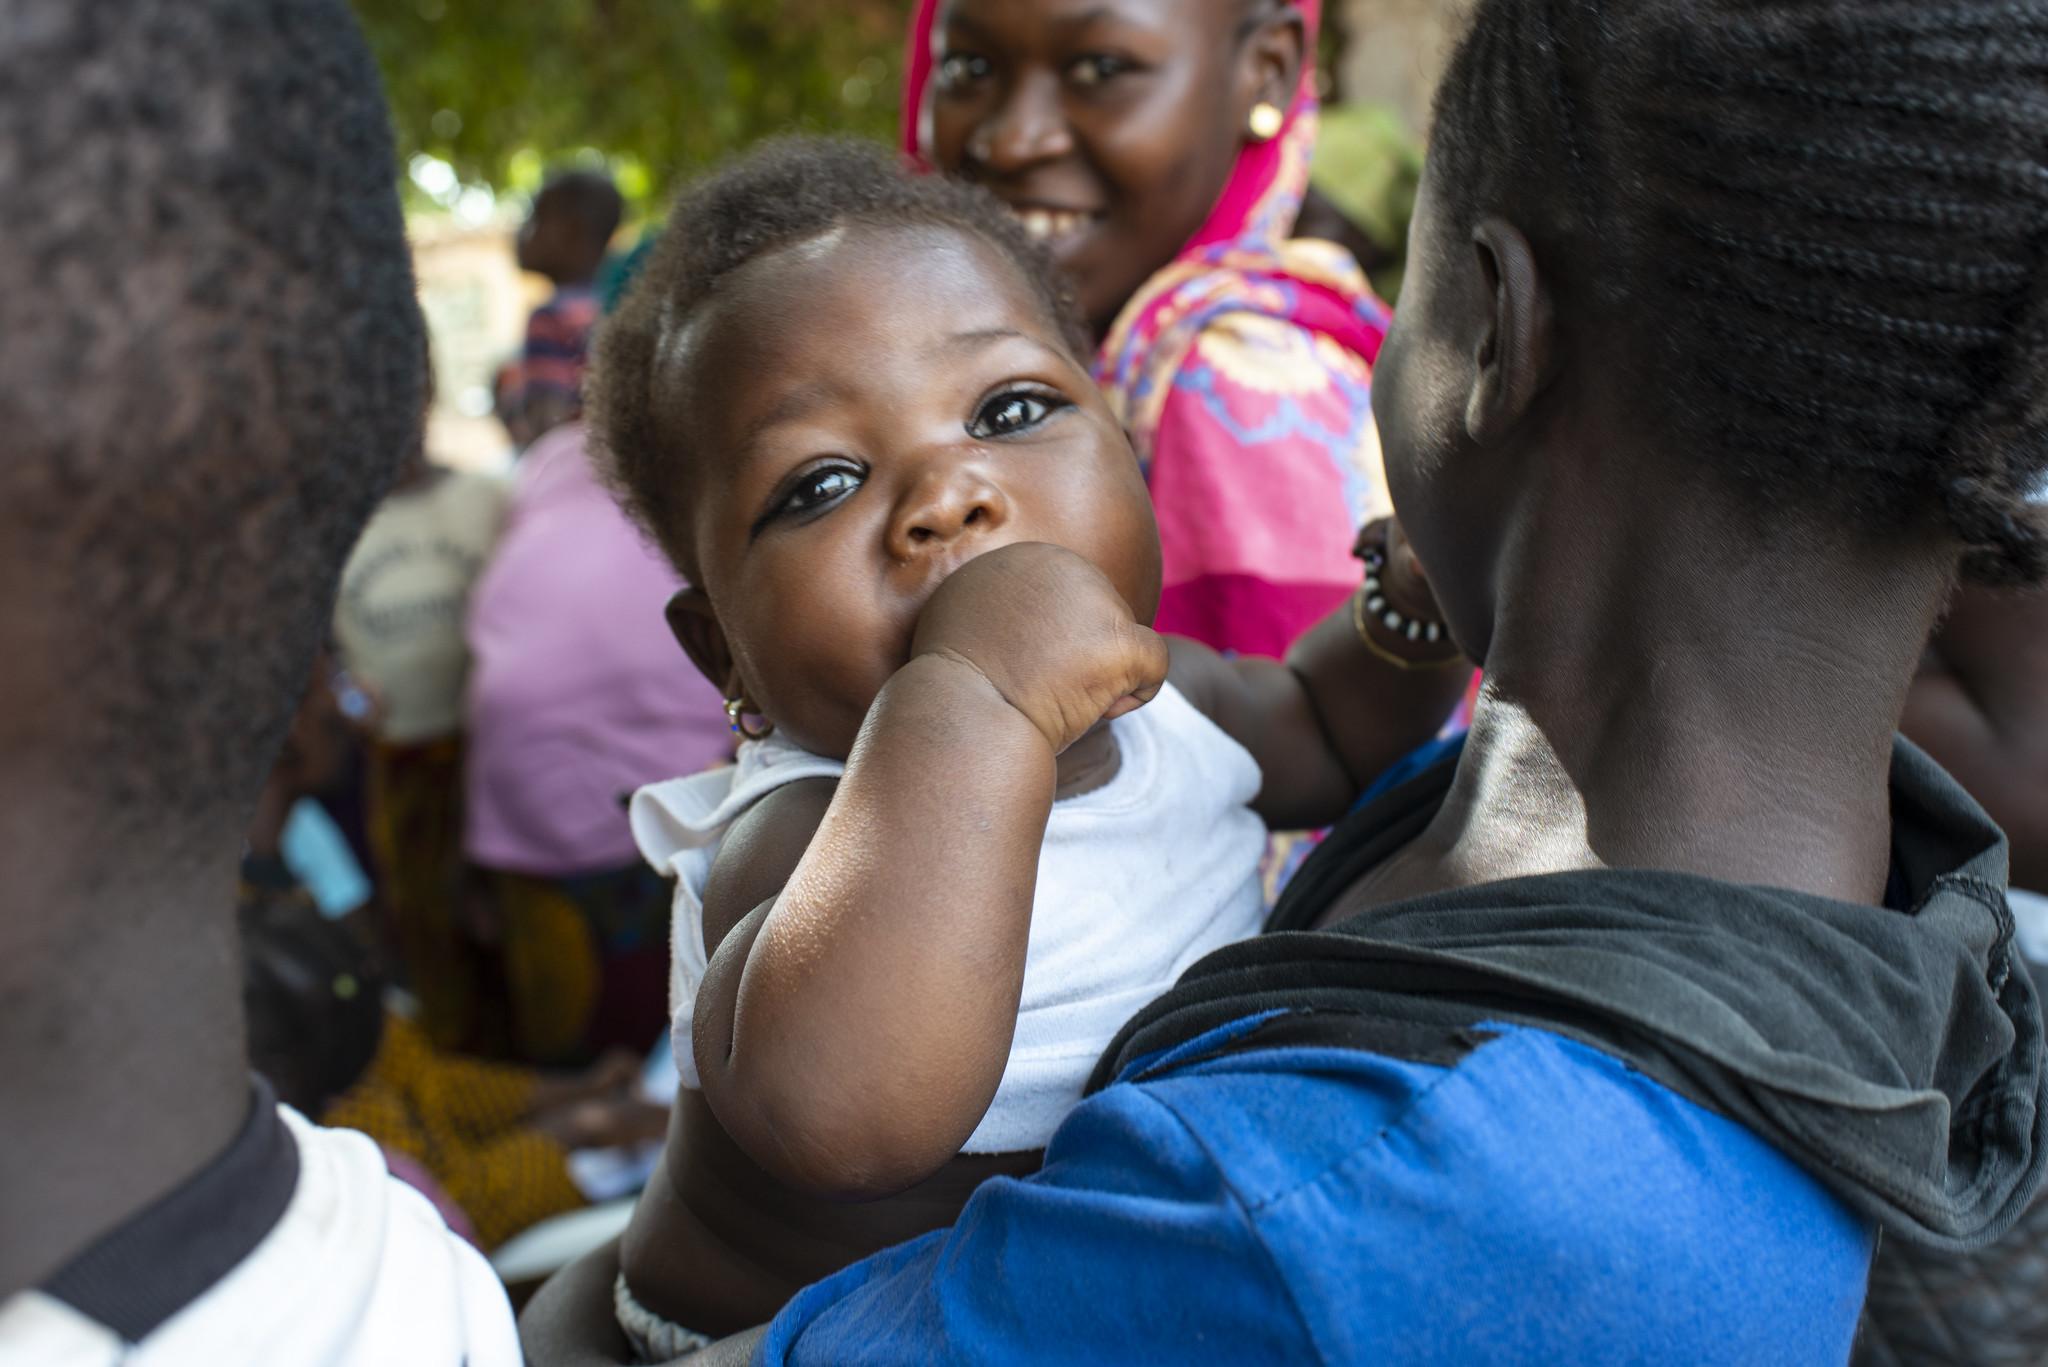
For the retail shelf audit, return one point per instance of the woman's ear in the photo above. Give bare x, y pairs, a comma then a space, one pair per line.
1269, 59
1511, 362
697, 631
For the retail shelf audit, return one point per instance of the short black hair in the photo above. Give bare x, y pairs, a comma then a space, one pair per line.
786, 191
212, 367
1824, 221
588, 197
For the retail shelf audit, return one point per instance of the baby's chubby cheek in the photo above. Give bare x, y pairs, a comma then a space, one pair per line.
1130, 560
816, 678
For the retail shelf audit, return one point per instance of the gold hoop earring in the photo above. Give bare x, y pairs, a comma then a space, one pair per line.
1266, 121
735, 715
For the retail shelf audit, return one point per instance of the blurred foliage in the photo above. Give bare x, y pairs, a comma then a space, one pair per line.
1369, 166
657, 89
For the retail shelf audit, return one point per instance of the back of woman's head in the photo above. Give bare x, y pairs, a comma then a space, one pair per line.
1820, 223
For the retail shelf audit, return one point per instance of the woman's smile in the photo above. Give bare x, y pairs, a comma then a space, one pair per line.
1059, 229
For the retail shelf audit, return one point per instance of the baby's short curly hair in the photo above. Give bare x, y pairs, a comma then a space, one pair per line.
1822, 219
785, 192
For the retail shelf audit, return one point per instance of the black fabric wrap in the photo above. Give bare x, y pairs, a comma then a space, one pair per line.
1896, 1054
1989, 1308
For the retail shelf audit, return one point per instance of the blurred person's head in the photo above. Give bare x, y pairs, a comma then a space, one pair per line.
212, 376
570, 226
313, 996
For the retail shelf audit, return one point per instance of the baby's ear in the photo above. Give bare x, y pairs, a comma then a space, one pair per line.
698, 633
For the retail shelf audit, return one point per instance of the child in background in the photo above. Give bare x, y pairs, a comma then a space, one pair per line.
981, 813
564, 239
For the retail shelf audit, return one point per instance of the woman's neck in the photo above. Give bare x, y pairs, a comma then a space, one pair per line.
1657, 702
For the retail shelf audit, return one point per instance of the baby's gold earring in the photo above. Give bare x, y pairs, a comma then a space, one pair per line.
1266, 120
735, 714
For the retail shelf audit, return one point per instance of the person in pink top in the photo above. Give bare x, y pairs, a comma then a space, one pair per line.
577, 696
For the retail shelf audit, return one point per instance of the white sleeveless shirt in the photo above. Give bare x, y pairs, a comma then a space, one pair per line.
1136, 880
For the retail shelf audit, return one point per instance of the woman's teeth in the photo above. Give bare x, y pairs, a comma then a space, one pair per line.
1047, 224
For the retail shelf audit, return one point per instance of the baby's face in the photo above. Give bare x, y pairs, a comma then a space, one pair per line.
871, 410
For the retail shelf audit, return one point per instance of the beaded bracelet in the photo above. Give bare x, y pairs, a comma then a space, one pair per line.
1371, 598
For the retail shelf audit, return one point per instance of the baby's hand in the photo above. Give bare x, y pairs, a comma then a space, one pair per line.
1050, 633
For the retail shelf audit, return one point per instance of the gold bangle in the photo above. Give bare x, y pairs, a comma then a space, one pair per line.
1358, 623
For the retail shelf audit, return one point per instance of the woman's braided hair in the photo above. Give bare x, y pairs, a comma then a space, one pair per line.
1824, 222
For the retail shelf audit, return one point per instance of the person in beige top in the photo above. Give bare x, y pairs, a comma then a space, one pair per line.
403, 595
398, 625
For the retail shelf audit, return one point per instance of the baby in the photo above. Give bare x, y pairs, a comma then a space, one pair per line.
981, 813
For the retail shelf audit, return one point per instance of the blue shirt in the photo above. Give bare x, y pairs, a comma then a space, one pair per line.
1535, 1202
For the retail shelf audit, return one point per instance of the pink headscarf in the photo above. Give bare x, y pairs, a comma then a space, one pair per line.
1242, 370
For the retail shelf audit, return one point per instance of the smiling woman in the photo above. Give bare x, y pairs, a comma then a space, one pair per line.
1160, 150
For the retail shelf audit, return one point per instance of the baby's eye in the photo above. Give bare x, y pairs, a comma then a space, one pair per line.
816, 489
1097, 68
957, 69
1013, 411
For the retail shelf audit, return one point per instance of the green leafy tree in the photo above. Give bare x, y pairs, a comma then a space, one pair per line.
659, 89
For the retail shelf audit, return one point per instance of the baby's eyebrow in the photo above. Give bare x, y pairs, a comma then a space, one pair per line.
795, 405
979, 338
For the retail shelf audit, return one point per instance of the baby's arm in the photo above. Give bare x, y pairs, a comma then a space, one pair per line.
1327, 720
851, 1029
854, 1023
